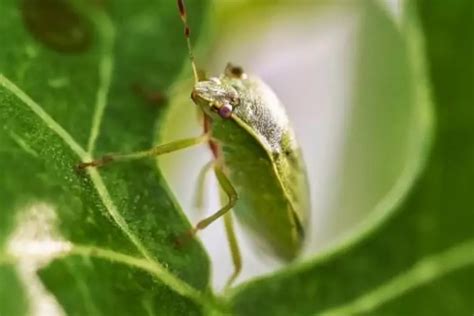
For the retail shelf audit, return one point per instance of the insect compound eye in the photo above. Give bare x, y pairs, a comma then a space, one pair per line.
225, 111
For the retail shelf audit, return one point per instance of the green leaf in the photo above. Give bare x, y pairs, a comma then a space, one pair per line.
102, 241
414, 254
14, 289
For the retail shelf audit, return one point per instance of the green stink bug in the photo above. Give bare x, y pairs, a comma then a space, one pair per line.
257, 160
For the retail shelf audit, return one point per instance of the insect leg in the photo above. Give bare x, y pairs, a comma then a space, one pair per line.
155, 151
230, 234
231, 193
229, 190
234, 248
199, 193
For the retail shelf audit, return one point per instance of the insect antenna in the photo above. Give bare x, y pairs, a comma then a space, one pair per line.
187, 33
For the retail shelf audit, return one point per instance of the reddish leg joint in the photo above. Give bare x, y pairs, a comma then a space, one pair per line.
95, 163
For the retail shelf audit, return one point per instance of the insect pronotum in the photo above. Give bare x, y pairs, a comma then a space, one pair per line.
256, 159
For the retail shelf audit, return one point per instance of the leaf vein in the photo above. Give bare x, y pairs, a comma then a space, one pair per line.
422, 272
106, 66
146, 265
23, 144
47, 119
153, 265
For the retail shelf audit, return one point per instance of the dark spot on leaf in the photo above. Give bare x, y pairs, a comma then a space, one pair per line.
57, 25
153, 97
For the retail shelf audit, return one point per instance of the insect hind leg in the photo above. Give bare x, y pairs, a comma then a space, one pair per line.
228, 188
232, 196
234, 249
198, 199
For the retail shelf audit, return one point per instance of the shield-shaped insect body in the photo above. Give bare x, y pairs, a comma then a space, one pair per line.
254, 142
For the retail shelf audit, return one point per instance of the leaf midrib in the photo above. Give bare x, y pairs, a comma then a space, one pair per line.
158, 269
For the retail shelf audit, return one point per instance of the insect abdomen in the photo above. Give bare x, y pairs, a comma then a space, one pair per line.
263, 206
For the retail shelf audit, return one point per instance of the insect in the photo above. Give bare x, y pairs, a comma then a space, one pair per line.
256, 159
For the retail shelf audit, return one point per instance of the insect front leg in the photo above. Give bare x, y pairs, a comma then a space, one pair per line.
155, 151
